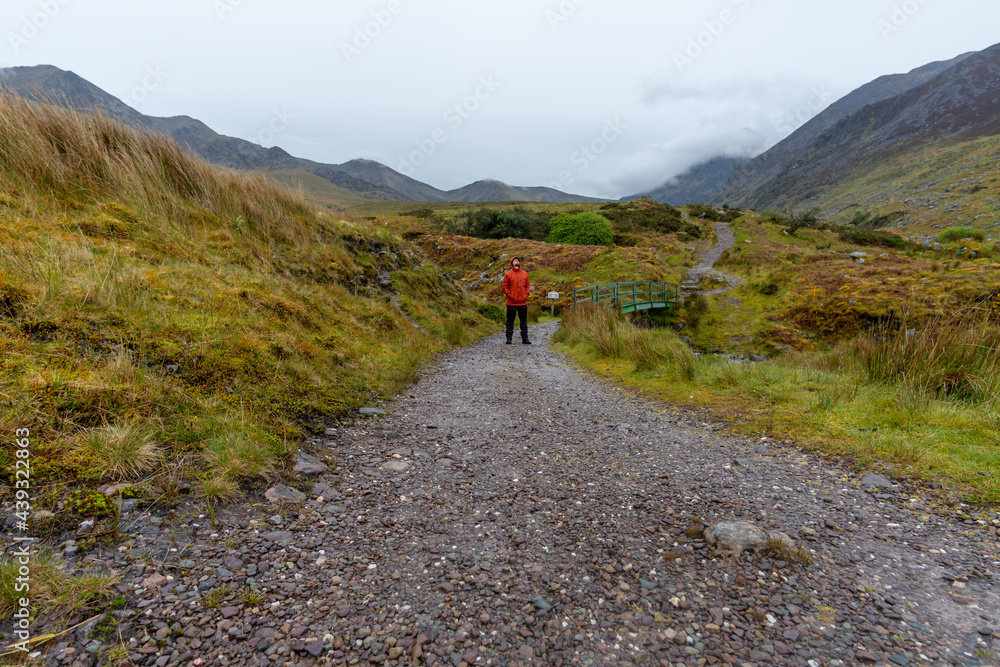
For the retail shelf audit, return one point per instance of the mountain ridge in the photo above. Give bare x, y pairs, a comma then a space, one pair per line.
367, 179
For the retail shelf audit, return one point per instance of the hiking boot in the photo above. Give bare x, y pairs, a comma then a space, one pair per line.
525, 341
508, 341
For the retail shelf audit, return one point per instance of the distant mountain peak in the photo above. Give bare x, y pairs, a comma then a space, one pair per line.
936, 100
697, 185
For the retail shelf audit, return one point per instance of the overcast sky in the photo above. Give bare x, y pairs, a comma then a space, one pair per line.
591, 96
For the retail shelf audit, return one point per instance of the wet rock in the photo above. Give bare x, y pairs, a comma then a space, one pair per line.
307, 465
280, 536
541, 603
282, 493
314, 648
875, 480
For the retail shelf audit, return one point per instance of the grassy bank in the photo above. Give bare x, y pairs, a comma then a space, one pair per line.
923, 404
169, 324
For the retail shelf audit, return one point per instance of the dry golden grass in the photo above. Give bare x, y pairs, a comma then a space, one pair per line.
123, 451
219, 488
52, 153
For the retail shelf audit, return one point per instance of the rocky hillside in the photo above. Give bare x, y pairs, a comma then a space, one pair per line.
701, 183
956, 99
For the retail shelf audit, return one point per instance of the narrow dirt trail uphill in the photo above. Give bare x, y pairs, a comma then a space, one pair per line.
706, 264
513, 510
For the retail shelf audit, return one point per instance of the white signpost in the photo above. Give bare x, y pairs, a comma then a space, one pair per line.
553, 296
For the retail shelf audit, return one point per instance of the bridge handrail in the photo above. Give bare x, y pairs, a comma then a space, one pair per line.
633, 293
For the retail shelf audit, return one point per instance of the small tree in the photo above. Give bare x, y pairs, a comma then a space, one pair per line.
581, 229
797, 221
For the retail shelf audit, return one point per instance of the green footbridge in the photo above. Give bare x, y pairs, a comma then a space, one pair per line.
630, 297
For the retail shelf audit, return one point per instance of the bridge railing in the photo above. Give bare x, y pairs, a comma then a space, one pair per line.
630, 296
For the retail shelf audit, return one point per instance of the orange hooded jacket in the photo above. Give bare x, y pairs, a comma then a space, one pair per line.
516, 285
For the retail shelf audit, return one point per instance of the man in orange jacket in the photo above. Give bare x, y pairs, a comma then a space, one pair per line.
517, 287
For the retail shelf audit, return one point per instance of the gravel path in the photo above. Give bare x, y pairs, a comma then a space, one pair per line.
705, 267
511, 510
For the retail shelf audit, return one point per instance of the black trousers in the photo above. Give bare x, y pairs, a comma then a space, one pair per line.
522, 314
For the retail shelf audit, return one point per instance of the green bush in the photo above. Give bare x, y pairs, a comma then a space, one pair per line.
958, 233
518, 222
871, 237
690, 230
492, 311
581, 229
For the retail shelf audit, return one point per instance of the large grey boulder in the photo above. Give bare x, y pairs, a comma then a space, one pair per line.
735, 537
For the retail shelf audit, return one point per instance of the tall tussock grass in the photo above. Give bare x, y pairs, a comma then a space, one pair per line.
70, 159
612, 335
955, 356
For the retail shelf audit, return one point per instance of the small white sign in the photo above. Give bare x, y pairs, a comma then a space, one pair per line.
553, 295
